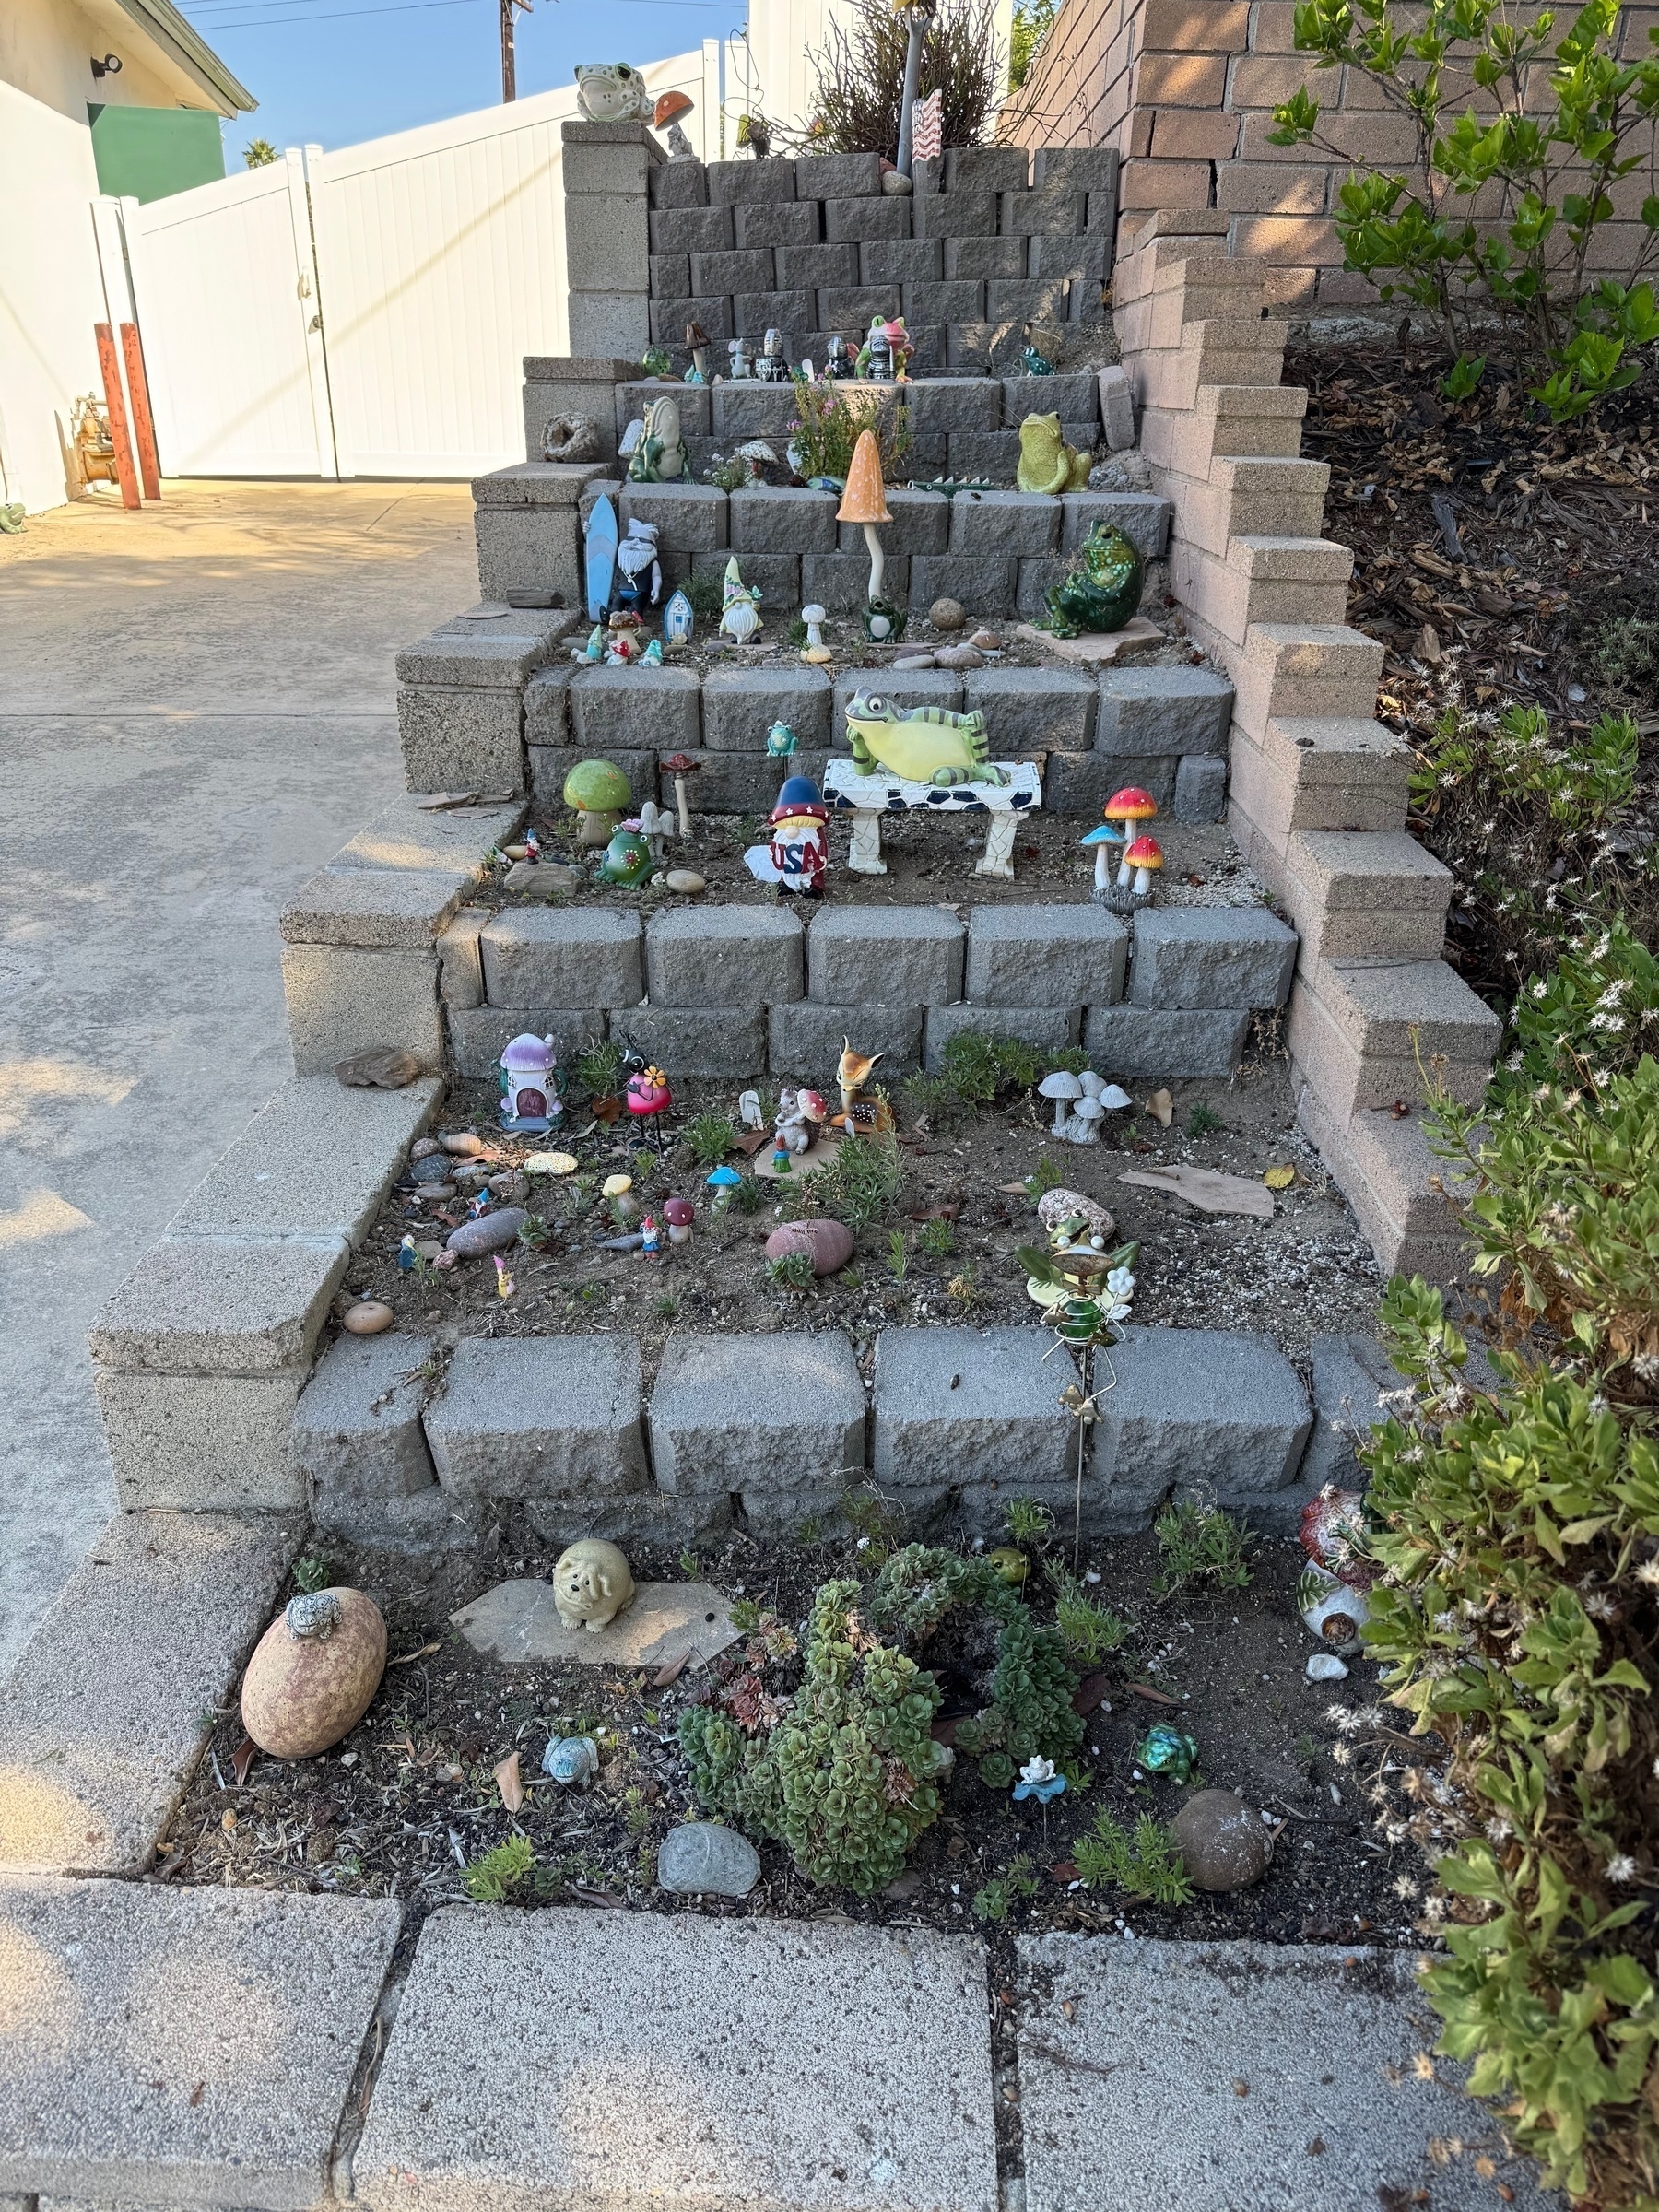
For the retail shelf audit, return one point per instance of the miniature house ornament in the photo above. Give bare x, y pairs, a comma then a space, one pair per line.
678, 620
530, 1099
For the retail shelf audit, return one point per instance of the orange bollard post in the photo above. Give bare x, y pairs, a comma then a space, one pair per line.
144, 426
125, 473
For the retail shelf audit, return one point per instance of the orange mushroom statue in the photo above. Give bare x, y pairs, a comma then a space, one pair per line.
1121, 812
670, 107
864, 501
1141, 860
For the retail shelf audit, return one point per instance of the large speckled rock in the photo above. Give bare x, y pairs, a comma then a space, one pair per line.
703, 1859
490, 1232
1224, 1844
826, 1244
314, 1673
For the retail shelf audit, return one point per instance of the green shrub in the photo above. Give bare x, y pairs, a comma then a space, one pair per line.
859, 77
830, 416
1028, 1521
897, 1255
1625, 656
848, 1777
1088, 1628
1581, 782
1142, 1863
997, 1900
861, 1183
710, 1137
937, 1238
791, 1271
599, 1067
1516, 1618
1585, 1023
1033, 21
1563, 137
492, 1880
1200, 1545
1202, 1121
1562, 1197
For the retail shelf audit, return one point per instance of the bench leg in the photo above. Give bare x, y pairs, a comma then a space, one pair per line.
864, 855
998, 858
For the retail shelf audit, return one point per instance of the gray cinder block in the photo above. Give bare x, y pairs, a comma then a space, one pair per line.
1117, 408
455, 739
537, 955
1056, 207
898, 261
867, 215
1047, 956
1211, 956
635, 710
770, 520
733, 183
695, 1040
1073, 394
986, 168
953, 403
837, 176
694, 404
677, 184
816, 270
732, 1413
1143, 519
1163, 711
769, 223
956, 1408
1148, 1041
739, 705
886, 956
1033, 709
955, 215
375, 907
985, 584
1049, 1029
754, 314
343, 1000
745, 783
776, 576
723, 956
1201, 788
691, 230
733, 272
1215, 1410
671, 318
921, 523
853, 307
751, 410
479, 1035
805, 1041
991, 522
841, 582
689, 518
201, 1443
961, 301
1080, 784
981, 257
359, 1443
540, 1417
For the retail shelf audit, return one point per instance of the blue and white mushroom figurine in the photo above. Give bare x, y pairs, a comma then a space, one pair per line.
723, 1182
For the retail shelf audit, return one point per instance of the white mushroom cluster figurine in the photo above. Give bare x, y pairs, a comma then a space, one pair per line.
1081, 1104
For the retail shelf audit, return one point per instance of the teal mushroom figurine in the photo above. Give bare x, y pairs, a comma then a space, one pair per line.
723, 1182
1105, 841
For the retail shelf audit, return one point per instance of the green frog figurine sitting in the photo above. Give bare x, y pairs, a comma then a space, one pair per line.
628, 858
1102, 591
1046, 462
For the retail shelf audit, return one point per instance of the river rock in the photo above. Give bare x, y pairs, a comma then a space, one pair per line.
1224, 1844
463, 1144
960, 656
548, 878
947, 614
703, 1859
314, 1673
423, 1147
914, 661
432, 1166
383, 1068
512, 1188
369, 1317
685, 880
826, 1244
491, 1232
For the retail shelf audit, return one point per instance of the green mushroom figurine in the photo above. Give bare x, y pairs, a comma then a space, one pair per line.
597, 793
1102, 591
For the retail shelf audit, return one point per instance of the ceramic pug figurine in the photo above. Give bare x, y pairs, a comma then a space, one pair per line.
639, 568
612, 92
659, 456
591, 1583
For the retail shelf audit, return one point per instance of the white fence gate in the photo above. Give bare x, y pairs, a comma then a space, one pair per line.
394, 346
226, 288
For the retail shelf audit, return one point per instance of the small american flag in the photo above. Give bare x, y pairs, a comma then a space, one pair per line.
927, 127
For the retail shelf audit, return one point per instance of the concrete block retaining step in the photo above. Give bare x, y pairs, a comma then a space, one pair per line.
760, 1414
961, 1409
479, 1035
360, 1445
181, 2046
102, 1722
739, 705
1261, 2075
572, 957
1147, 1040
1049, 1029
408, 837
341, 1000
638, 708
891, 956
1211, 1413
714, 1041
547, 766
1162, 711
724, 956
697, 2062
540, 1417
201, 1443
220, 1306
1211, 956
805, 1041
1056, 954
1033, 708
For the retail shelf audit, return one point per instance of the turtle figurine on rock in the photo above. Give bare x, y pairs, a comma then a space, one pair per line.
1102, 591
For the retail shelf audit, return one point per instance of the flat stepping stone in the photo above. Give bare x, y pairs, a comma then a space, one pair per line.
1252, 2077
664, 1621
633, 2061
101, 1723
180, 2047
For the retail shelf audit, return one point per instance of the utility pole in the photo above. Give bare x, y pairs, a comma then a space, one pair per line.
508, 68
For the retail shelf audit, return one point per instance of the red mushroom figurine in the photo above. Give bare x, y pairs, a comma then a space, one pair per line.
678, 1214
679, 766
1145, 857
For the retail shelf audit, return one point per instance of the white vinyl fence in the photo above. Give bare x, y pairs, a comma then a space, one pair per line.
367, 312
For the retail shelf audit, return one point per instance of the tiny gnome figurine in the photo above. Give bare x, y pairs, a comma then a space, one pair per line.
591, 1583
795, 858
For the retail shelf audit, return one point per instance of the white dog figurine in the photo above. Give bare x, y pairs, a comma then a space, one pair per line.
591, 1585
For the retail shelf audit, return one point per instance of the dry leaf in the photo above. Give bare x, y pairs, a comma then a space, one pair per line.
1014, 1190
1279, 1179
1154, 1697
198, 2092
671, 1673
242, 1759
1161, 1107
426, 1650
1206, 1188
507, 1782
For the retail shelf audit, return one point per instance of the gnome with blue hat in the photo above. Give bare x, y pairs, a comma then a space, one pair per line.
795, 858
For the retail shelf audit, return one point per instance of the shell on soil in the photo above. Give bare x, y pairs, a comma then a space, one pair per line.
490, 1232
828, 1243
302, 1693
1224, 1844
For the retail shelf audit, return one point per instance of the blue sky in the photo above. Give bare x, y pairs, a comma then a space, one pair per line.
332, 72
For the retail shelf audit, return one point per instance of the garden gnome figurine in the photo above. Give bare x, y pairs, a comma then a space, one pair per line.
795, 858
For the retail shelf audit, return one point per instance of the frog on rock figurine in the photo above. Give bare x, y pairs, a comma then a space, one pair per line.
628, 860
1102, 591
1046, 462
659, 455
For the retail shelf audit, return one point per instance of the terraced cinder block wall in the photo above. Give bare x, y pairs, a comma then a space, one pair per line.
499, 706
1184, 92
1317, 786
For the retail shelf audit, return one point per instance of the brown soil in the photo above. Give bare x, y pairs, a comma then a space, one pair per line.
1308, 1270
408, 1797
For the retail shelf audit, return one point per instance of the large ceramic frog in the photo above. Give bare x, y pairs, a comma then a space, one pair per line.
612, 92
926, 744
1103, 589
659, 456
1046, 462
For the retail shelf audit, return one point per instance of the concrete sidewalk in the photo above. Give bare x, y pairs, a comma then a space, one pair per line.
197, 711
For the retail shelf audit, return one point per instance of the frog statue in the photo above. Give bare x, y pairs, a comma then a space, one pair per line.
612, 92
1103, 589
919, 745
1046, 462
659, 455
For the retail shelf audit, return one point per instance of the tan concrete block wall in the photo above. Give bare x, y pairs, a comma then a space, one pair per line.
1184, 89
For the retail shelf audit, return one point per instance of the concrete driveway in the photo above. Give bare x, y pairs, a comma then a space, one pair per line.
196, 711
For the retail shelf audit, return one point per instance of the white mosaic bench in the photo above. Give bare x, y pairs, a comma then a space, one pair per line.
868, 798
